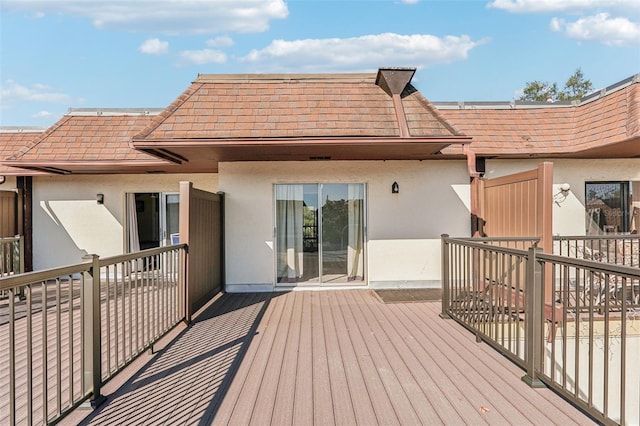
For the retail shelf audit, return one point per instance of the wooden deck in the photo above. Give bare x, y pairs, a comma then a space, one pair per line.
327, 357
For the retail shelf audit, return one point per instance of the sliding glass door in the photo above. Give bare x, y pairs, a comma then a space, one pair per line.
319, 233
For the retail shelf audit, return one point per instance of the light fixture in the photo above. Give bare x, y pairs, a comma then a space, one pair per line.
562, 195
2, 179
100, 198
395, 188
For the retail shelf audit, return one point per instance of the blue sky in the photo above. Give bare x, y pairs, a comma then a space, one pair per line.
57, 54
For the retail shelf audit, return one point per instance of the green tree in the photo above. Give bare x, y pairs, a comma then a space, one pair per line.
540, 91
574, 89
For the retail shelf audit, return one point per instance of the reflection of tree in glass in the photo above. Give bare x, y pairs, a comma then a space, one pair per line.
335, 223
609, 194
310, 229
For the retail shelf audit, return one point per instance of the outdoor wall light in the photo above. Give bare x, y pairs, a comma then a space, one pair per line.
100, 198
395, 188
562, 195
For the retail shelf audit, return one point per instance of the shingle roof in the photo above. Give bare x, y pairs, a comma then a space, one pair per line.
87, 139
11, 140
549, 129
297, 106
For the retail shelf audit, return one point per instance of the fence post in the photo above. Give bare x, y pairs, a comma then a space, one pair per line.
534, 300
92, 350
445, 276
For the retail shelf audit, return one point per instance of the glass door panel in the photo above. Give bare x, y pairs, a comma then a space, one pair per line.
297, 250
170, 216
335, 233
319, 233
342, 233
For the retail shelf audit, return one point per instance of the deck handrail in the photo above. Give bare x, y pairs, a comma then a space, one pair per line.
82, 324
621, 249
577, 343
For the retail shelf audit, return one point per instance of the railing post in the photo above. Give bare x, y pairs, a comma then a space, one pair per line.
21, 262
445, 277
92, 351
534, 300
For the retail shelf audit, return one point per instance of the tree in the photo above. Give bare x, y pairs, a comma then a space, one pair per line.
574, 89
540, 91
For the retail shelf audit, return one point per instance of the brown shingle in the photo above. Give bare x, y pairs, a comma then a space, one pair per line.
550, 129
14, 141
291, 106
81, 138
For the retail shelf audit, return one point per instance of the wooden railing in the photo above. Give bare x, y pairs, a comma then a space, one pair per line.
77, 326
584, 344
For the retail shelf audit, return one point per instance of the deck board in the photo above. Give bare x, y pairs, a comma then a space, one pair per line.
339, 357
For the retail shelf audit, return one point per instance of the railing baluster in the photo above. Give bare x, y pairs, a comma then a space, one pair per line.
12, 359
45, 386
58, 327
29, 304
70, 336
130, 312
107, 324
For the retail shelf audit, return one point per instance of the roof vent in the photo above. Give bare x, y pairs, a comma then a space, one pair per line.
394, 80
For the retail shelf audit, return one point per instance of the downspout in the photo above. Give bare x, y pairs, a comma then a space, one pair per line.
475, 192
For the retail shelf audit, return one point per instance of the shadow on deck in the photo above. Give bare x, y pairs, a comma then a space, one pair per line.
187, 380
327, 357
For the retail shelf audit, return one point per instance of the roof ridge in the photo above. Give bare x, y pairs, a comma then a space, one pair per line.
633, 111
116, 112
166, 112
31, 145
284, 78
434, 111
518, 104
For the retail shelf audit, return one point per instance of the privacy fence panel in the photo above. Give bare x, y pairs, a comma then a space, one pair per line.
202, 229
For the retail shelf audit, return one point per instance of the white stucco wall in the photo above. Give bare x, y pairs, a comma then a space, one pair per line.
403, 230
569, 214
68, 223
9, 183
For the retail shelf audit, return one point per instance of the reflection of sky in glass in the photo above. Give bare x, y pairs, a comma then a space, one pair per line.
334, 192
330, 192
310, 196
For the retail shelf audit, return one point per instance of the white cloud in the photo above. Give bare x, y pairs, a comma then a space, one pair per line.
601, 28
154, 46
409, 1
597, 22
204, 56
529, 6
221, 41
164, 16
364, 53
13, 91
42, 114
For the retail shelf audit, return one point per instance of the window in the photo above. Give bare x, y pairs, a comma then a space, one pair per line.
152, 217
607, 206
319, 233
